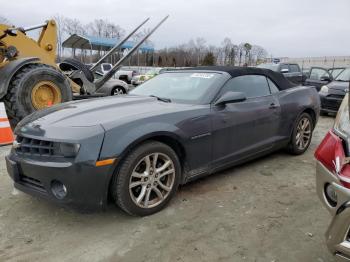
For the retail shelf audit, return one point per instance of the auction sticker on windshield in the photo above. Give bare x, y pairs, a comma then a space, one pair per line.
202, 75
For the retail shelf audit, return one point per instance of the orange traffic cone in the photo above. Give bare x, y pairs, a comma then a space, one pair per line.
6, 135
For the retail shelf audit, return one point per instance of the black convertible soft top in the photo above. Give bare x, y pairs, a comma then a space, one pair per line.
278, 78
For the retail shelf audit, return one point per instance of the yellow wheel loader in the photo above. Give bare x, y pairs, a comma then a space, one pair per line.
31, 80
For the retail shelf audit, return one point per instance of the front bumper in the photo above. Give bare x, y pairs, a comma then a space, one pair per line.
337, 235
86, 184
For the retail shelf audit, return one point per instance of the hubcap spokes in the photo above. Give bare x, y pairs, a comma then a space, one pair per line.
303, 133
118, 91
152, 180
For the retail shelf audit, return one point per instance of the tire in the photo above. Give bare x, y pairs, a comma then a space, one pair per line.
19, 102
73, 64
135, 162
118, 90
299, 146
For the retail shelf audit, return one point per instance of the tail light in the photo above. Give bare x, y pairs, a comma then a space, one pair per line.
331, 154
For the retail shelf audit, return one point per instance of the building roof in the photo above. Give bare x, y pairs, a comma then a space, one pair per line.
99, 43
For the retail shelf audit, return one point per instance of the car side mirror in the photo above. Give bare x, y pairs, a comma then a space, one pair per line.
326, 78
284, 70
231, 97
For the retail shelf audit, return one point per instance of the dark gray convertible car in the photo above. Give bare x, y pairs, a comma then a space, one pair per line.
136, 149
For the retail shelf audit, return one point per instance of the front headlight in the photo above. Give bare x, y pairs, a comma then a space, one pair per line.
324, 89
66, 149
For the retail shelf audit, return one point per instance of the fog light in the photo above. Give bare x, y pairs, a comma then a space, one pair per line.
331, 195
58, 189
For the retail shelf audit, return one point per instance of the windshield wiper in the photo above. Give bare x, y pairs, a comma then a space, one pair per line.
163, 99
341, 80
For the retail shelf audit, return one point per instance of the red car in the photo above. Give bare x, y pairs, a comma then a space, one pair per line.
333, 182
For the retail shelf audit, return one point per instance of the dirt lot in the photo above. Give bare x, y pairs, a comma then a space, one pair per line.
266, 210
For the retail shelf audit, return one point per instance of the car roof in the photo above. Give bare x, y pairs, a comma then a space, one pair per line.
235, 71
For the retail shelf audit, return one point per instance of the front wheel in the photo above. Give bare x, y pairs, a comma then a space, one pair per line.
302, 135
147, 179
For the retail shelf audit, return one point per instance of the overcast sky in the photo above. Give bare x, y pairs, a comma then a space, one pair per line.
291, 28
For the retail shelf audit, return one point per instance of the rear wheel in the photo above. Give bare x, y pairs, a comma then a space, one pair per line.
302, 135
147, 179
118, 91
35, 87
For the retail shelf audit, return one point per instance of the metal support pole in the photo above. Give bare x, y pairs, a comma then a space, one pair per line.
117, 46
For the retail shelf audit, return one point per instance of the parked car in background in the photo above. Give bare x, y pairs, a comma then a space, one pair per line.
318, 77
176, 127
126, 75
291, 71
112, 86
139, 79
333, 182
332, 94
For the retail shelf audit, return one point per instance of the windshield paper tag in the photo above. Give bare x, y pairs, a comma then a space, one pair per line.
202, 75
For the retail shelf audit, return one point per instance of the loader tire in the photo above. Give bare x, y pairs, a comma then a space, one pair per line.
35, 87
73, 64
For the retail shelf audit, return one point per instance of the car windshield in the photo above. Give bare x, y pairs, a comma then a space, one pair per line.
181, 87
344, 76
335, 72
273, 67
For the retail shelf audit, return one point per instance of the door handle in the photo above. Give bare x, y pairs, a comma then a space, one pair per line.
273, 106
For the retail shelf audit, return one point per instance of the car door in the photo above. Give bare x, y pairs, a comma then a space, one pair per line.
243, 129
318, 77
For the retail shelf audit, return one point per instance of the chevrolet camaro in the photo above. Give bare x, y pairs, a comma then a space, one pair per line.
136, 149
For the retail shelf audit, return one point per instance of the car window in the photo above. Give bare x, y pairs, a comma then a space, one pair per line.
273, 88
317, 73
284, 66
294, 68
251, 85
106, 67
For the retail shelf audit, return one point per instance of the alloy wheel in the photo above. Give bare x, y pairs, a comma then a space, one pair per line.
303, 134
152, 180
118, 91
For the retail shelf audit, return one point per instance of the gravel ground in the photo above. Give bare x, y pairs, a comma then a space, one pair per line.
266, 210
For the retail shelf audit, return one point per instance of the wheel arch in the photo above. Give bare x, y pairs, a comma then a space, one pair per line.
9, 71
170, 139
313, 115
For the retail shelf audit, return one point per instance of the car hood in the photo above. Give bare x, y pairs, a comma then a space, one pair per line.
338, 85
101, 111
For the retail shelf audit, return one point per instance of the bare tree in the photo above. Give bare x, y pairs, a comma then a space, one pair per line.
258, 53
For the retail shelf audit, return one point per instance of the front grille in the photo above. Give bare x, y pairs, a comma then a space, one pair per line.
32, 182
34, 146
331, 104
336, 96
